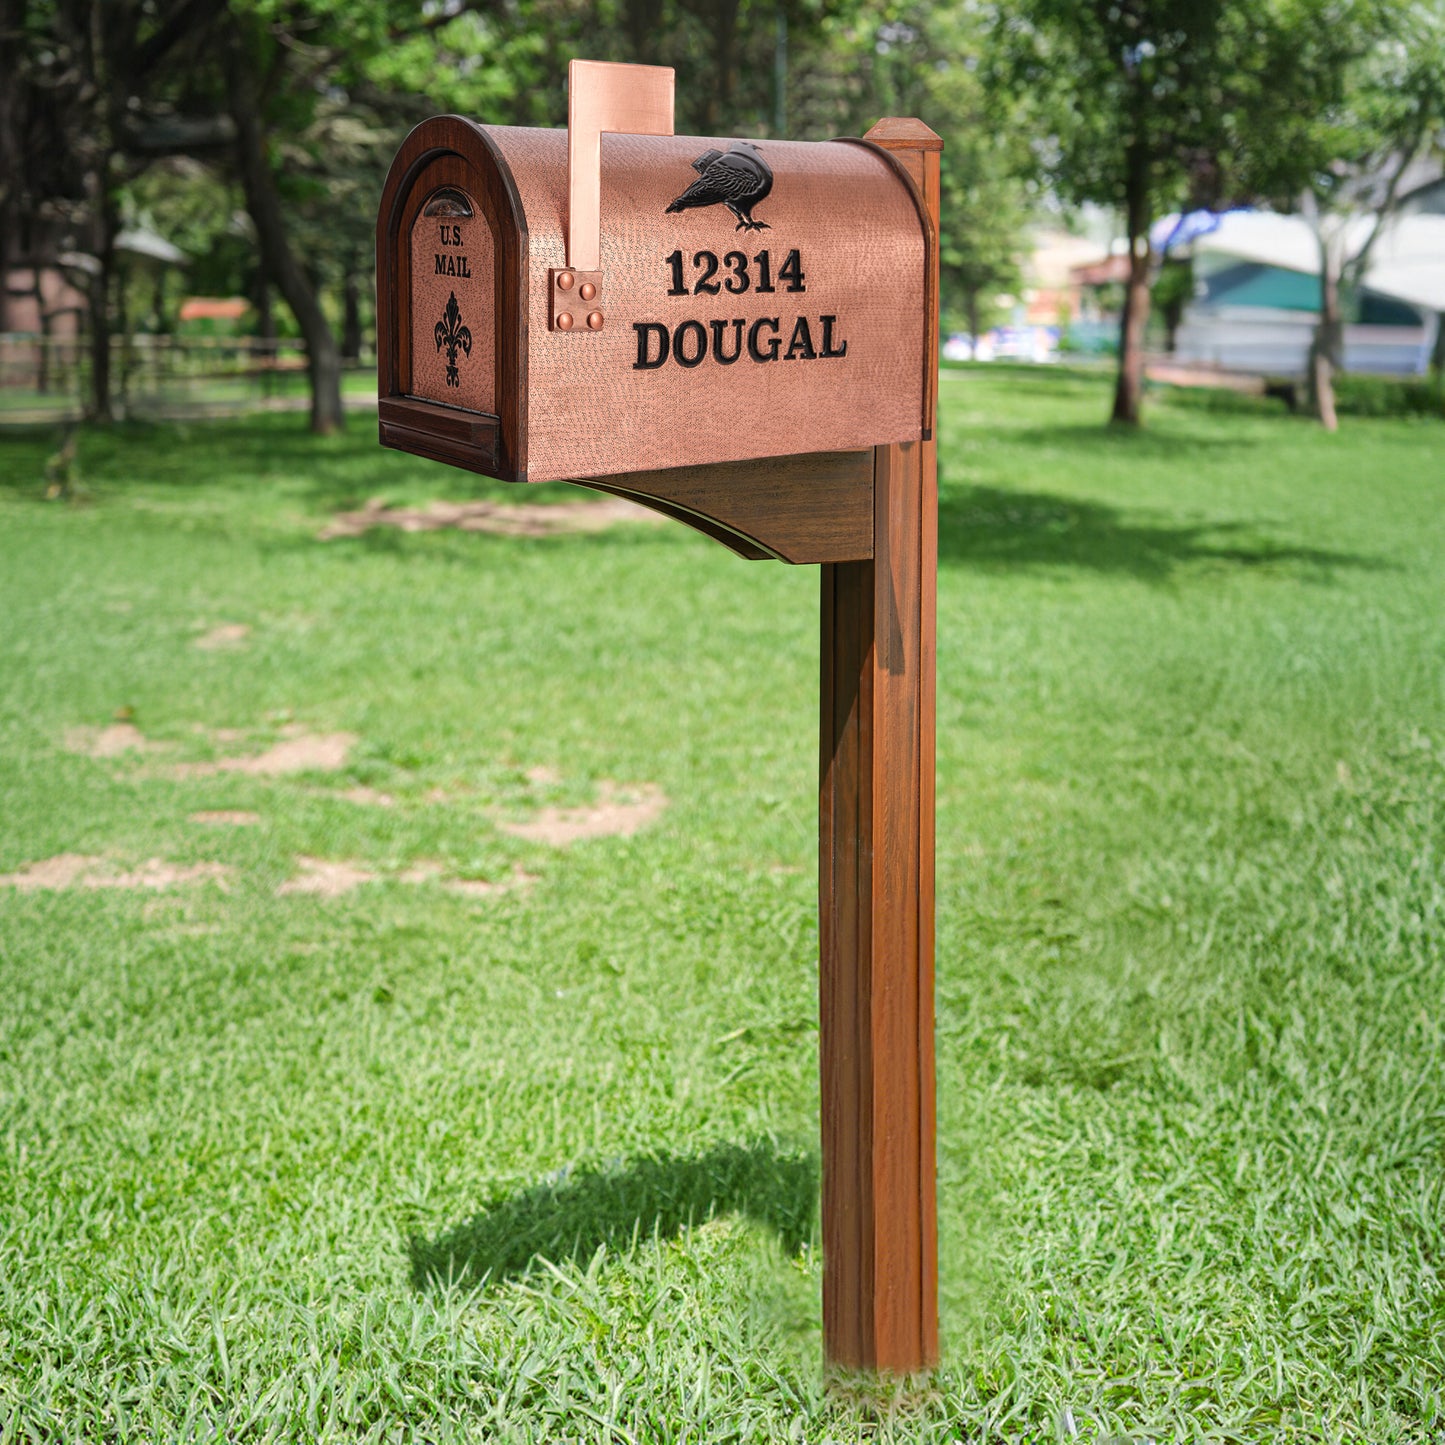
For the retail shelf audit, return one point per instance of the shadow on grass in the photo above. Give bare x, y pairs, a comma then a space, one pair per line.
323, 475
330, 473
570, 1215
988, 526
1101, 441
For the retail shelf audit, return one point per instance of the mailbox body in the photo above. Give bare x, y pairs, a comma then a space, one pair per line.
793, 323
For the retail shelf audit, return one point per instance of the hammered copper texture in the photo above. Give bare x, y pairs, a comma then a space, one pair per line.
857, 229
430, 293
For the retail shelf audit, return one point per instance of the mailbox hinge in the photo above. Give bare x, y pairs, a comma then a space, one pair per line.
574, 300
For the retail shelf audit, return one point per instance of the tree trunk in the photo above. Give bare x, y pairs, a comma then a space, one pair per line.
644, 26
1129, 385
780, 73
100, 407
42, 361
971, 306
4, 264
265, 317
723, 22
280, 261
122, 326
351, 315
1437, 352
1173, 314
1326, 346
14, 57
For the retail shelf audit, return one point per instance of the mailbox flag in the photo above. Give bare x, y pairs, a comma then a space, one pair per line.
619, 99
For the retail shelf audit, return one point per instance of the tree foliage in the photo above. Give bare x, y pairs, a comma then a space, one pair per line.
1148, 105
923, 58
1380, 80
297, 106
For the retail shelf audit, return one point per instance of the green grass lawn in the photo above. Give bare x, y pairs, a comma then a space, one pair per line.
540, 1164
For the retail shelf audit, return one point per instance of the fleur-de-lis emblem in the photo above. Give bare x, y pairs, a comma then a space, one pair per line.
452, 334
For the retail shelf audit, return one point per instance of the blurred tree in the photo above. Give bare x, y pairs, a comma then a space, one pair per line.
321, 91
1150, 104
84, 76
252, 54
297, 105
821, 67
1380, 87
13, 85
505, 61
923, 58
65, 68
1172, 291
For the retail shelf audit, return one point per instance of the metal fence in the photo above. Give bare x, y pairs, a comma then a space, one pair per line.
45, 378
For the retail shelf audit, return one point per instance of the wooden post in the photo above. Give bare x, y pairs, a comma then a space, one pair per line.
876, 812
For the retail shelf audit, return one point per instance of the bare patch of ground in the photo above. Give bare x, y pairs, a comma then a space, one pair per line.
226, 817
542, 775
326, 877
506, 519
480, 888
1173, 374
303, 753
157, 873
224, 635
368, 797
220, 735
332, 877
85, 870
63, 871
298, 751
431, 872
618, 813
110, 742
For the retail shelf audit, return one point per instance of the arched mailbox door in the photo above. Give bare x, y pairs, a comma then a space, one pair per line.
742, 335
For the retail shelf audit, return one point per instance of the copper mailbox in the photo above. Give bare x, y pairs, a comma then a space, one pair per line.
745, 299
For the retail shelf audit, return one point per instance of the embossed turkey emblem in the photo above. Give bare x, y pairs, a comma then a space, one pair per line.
453, 335
738, 178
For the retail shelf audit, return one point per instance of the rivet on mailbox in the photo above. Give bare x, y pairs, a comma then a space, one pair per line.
743, 335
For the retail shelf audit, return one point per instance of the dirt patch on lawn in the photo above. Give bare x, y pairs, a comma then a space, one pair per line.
326, 877
431, 872
305, 753
333, 877
225, 635
63, 871
112, 741
85, 870
367, 797
480, 888
298, 752
618, 813
225, 818
504, 519
223, 735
